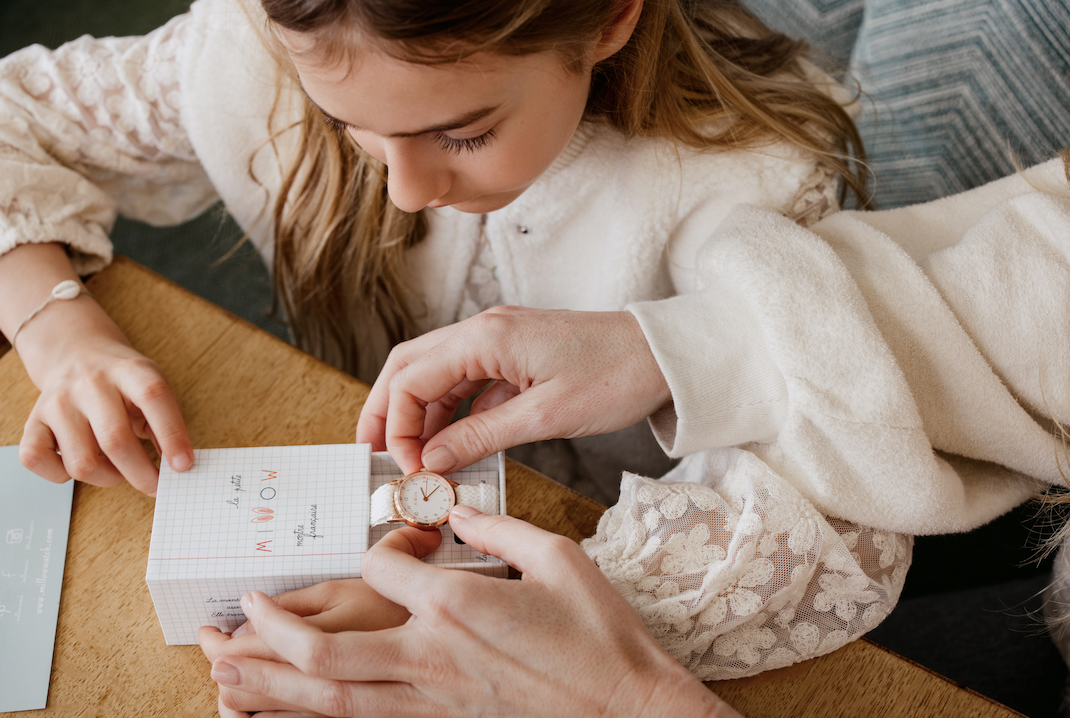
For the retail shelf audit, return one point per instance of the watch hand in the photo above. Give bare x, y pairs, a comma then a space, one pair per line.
432, 491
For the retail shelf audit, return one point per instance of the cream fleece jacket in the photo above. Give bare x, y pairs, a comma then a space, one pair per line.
900, 368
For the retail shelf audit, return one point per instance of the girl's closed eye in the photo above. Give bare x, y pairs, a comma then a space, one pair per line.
336, 125
471, 144
447, 143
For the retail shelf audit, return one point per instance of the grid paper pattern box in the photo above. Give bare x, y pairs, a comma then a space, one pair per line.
275, 519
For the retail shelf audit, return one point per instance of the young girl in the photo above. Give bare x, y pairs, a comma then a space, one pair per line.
406, 166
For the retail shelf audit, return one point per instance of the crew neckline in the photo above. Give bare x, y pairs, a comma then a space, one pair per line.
584, 131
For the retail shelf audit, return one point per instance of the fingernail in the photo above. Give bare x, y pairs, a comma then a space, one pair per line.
181, 462
151, 494
440, 460
241, 630
464, 512
247, 604
223, 672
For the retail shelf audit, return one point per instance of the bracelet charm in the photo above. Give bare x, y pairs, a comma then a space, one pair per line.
67, 289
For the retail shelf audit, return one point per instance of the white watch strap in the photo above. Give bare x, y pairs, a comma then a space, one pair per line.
483, 497
383, 504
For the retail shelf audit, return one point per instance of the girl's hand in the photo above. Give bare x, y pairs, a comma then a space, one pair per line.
332, 606
559, 642
98, 395
556, 374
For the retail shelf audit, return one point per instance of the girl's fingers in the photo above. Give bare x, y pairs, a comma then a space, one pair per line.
37, 452
217, 644
113, 428
343, 605
142, 430
81, 454
152, 395
353, 655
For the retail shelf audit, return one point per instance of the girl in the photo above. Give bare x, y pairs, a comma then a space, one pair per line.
405, 166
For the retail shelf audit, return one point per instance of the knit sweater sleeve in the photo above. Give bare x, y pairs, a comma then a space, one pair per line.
93, 128
913, 361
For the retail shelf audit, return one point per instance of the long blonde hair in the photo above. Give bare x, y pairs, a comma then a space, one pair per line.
703, 73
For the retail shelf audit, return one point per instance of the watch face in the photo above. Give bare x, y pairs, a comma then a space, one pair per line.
425, 499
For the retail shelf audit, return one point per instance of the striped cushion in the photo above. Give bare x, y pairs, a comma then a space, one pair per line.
954, 87
830, 26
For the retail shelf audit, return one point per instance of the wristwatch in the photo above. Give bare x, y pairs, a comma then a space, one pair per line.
424, 499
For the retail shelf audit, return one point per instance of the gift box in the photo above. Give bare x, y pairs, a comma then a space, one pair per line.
275, 519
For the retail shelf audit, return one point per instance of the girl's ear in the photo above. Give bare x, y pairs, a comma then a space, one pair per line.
619, 31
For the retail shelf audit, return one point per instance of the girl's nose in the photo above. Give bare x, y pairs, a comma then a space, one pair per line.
414, 178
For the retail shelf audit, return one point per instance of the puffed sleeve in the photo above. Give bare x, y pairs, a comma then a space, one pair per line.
873, 377
90, 129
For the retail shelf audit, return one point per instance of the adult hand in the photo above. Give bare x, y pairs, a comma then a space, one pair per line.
556, 374
559, 642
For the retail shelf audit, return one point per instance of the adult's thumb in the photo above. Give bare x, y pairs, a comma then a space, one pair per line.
521, 545
413, 541
478, 436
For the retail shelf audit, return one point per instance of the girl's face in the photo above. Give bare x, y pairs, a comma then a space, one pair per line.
472, 135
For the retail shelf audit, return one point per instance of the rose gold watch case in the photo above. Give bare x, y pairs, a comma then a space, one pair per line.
403, 516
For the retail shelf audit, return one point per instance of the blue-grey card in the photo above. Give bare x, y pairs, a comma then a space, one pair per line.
35, 517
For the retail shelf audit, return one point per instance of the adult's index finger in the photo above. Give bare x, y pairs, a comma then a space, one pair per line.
421, 383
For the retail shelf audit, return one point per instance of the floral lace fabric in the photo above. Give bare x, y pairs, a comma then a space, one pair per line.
482, 290
744, 575
816, 198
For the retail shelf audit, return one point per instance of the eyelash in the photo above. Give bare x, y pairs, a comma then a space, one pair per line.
447, 143
333, 124
472, 144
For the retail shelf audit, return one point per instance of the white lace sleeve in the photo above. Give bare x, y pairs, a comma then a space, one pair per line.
89, 129
744, 575
816, 198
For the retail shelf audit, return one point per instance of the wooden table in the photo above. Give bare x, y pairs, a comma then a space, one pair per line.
239, 386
